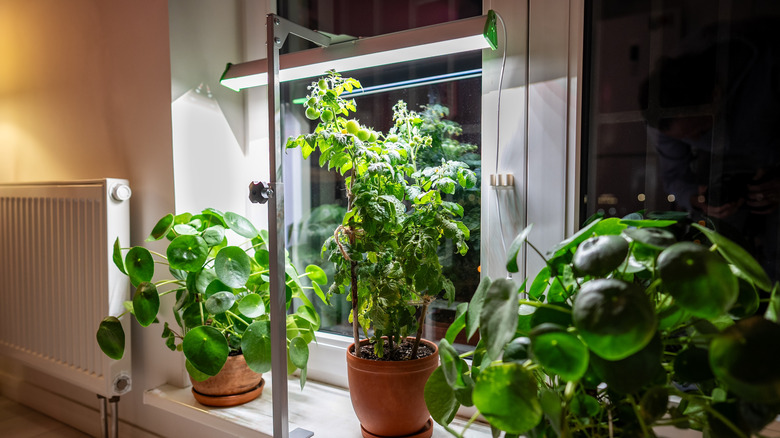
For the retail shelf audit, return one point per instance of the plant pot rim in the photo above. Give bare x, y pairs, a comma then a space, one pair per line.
394, 366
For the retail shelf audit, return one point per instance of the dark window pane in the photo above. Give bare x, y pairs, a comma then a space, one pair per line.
682, 110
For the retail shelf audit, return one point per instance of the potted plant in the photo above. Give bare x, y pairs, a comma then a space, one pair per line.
632, 325
385, 250
221, 297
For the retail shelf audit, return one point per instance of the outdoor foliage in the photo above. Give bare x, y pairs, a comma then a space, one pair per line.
633, 323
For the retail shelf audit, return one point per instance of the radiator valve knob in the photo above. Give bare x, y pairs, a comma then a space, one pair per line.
121, 192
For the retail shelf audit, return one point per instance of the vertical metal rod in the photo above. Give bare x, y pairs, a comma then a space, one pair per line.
114, 403
103, 416
276, 242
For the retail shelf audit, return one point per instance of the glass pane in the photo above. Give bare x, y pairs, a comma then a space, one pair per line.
683, 104
316, 198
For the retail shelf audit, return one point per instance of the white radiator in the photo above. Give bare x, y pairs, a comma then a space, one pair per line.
57, 280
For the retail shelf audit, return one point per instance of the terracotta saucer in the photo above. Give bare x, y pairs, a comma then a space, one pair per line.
229, 400
425, 432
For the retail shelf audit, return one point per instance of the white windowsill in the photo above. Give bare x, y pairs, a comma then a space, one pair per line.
323, 409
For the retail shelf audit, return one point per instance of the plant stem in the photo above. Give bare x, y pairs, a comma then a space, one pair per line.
158, 254
469, 423
164, 282
420, 323
638, 414
228, 312
552, 269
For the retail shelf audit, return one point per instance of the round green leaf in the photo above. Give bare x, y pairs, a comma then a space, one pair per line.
146, 303
440, 398
161, 228
747, 301
206, 348
517, 351
256, 345
698, 279
204, 282
194, 373
600, 255
220, 302
585, 406
745, 358
506, 396
317, 274
652, 238
185, 229
214, 235
251, 305
299, 352
140, 265
262, 257
616, 319
630, 374
233, 266
739, 257
111, 337
240, 225
559, 352
187, 253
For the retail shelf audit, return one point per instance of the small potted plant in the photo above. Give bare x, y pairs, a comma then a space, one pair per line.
385, 250
633, 324
221, 297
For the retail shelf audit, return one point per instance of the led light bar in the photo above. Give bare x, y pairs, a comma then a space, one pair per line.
426, 42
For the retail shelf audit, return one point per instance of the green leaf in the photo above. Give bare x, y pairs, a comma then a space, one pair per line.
299, 352
498, 317
317, 274
739, 257
551, 406
233, 266
117, 257
220, 302
251, 305
146, 303
111, 337
188, 253
214, 235
140, 265
449, 361
506, 396
458, 324
540, 283
240, 225
206, 348
194, 373
559, 352
162, 228
475, 306
256, 345
440, 398
514, 249
642, 223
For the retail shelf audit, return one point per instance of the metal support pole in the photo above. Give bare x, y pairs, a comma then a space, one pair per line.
277, 30
103, 416
276, 242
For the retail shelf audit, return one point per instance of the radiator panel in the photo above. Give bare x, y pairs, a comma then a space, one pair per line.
57, 280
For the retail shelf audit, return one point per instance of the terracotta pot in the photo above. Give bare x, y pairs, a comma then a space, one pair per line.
387, 396
233, 385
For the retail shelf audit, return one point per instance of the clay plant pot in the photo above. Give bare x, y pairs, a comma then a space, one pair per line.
387, 396
235, 384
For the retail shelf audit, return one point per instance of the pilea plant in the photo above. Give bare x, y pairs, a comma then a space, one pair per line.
633, 323
385, 249
221, 294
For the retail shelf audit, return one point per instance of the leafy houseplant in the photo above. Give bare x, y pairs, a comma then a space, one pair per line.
221, 294
385, 249
633, 324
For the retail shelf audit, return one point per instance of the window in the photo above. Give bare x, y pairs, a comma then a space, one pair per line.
682, 115
447, 91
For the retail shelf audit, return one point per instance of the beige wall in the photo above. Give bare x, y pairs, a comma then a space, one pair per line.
85, 92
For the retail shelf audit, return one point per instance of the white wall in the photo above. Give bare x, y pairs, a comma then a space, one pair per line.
85, 92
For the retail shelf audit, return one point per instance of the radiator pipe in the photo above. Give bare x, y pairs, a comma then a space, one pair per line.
103, 417
114, 401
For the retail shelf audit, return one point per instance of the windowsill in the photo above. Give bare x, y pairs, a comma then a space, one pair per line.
323, 409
